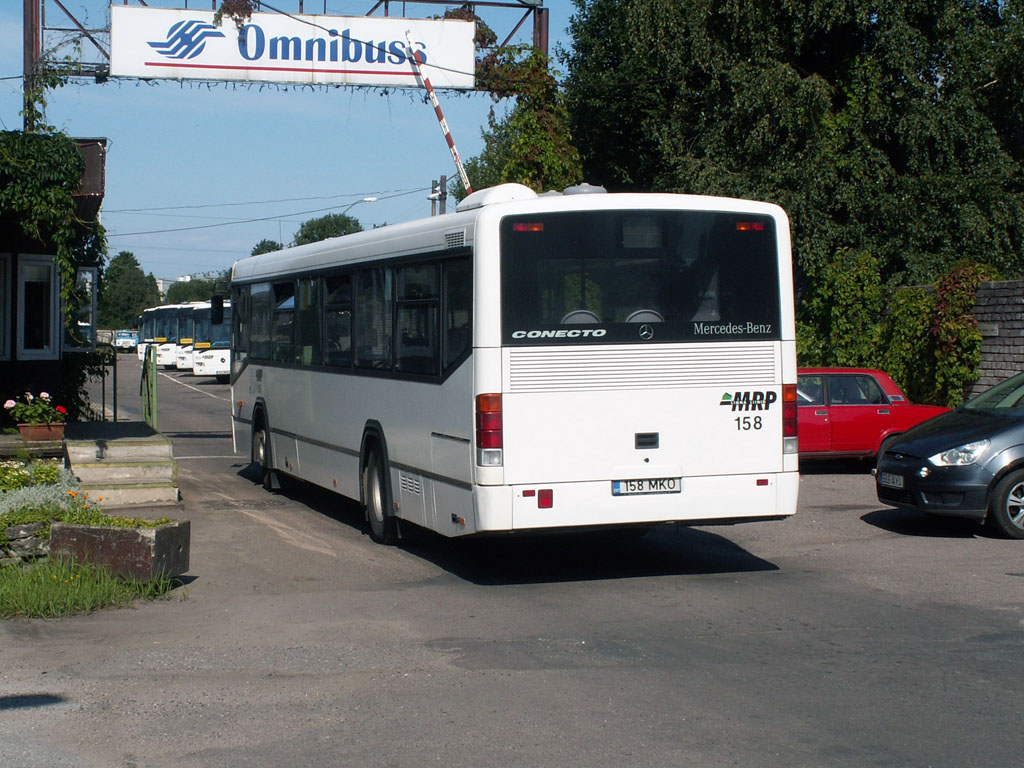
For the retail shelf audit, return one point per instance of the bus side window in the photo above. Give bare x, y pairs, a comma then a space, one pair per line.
372, 315
338, 321
417, 345
240, 327
283, 333
307, 321
457, 288
261, 303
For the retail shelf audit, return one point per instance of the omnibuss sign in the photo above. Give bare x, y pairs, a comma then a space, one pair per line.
272, 47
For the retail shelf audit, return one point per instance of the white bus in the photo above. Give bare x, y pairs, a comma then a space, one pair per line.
211, 354
147, 331
530, 362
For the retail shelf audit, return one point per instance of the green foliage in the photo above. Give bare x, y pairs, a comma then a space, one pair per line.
840, 317
39, 173
532, 143
896, 132
42, 492
125, 291
331, 225
21, 474
56, 587
957, 341
266, 246
906, 349
195, 290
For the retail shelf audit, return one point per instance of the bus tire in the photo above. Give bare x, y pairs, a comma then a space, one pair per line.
261, 455
383, 527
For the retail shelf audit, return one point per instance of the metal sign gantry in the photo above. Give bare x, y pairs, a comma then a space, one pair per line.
41, 58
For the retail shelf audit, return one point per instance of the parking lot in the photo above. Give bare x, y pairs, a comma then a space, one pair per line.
849, 635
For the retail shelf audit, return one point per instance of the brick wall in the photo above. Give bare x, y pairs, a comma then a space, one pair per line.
999, 311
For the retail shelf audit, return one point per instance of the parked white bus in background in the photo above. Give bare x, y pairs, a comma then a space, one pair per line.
194, 314
211, 354
147, 331
530, 362
173, 330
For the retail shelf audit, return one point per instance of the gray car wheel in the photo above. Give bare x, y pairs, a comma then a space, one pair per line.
1006, 507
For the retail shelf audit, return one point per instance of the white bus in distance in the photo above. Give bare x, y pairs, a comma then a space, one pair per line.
147, 331
530, 363
211, 354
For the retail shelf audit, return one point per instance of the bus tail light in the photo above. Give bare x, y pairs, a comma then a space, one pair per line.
488, 430
789, 422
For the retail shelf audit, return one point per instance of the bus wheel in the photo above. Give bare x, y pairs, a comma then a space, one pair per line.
383, 527
261, 456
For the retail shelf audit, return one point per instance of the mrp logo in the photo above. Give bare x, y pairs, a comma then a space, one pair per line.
186, 39
750, 401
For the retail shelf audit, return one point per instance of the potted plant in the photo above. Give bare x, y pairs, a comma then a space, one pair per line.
37, 417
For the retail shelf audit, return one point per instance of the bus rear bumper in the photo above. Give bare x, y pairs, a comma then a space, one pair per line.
708, 500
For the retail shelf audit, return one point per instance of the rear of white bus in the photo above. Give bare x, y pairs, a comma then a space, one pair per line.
642, 369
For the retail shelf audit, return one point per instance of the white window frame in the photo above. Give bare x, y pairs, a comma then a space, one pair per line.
5, 306
52, 349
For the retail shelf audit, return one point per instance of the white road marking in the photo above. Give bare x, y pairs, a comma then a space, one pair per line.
197, 389
291, 536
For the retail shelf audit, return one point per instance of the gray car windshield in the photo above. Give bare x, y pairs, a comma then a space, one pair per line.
604, 276
1004, 398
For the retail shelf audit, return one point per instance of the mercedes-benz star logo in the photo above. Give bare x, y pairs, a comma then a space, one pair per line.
646, 332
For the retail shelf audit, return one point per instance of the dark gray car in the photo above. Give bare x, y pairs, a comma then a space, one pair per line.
965, 463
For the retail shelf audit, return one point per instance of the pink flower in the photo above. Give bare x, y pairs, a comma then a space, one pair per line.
44, 395
28, 397
9, 404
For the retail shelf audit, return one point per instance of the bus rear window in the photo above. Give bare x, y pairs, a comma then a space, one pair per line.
629, 276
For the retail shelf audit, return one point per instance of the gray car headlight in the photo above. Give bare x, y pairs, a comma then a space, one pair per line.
960, 456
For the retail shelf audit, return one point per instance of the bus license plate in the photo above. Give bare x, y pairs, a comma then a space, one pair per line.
649, 485
889, 480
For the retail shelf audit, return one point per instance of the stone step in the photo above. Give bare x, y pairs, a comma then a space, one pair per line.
114, 474
88, 442
125, 497
89, 451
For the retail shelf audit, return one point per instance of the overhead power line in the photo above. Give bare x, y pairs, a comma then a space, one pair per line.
247, 221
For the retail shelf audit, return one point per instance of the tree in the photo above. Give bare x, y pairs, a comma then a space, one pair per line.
331, 225
196, 290
125, 290
266, 246
531, 144
895, 132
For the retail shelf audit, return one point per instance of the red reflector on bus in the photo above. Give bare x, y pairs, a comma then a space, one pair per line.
545, 498
524, 226
488, 438
789, 411
529, 494
762, 481
486, 420
750, 226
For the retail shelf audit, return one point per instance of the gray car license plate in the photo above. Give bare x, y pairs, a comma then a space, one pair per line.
890, 480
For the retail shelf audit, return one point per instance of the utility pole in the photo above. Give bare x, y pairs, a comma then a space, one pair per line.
434, 194
443, 193
33, 41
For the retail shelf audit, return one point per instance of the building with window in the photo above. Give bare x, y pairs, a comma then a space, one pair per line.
35, 330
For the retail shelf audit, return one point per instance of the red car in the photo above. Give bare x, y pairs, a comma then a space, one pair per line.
852, 412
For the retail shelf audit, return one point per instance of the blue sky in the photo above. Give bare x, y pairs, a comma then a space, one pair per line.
243, 152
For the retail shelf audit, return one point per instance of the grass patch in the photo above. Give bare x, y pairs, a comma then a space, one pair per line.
55, 587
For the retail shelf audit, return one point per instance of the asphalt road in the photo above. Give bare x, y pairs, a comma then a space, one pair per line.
849, 635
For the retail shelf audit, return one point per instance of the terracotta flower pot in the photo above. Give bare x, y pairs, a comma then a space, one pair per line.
51, 431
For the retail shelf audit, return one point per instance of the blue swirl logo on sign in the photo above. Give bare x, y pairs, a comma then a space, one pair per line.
186, 39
